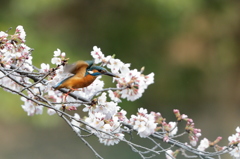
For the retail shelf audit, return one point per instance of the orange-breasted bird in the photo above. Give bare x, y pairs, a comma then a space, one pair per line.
84, 75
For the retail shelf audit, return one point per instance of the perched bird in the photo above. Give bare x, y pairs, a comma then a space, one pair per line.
84, 73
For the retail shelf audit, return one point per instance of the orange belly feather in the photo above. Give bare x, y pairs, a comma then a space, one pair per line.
77, 82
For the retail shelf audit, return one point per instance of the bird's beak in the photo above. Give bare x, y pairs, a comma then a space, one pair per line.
111, 74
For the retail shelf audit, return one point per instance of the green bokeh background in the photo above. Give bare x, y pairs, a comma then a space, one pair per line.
192, 47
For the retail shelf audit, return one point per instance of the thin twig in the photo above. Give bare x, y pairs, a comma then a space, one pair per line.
86, 143
41, 79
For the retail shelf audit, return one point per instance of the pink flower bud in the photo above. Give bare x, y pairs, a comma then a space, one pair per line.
219, 138
190, 120
175, 111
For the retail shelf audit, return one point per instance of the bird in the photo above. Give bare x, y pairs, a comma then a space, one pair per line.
84, 74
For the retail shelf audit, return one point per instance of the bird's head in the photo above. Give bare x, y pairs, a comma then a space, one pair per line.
97, 70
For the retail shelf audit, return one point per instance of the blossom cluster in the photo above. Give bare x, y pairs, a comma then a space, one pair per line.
234, 143
102, 115
144, 123
133, 81
193, 133
14, 51
170, 129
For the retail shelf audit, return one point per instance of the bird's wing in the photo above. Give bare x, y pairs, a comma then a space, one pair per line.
58, 86
79, 68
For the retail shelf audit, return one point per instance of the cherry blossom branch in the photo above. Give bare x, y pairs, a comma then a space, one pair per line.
104, 117
183, 146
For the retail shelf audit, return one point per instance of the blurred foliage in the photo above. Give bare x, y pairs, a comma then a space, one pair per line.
191, 46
